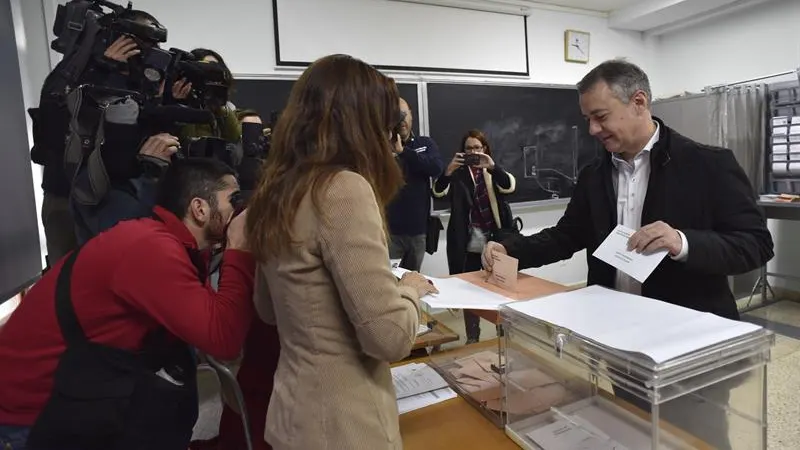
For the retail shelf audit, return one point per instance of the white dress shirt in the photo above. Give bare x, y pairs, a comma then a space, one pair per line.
630, 183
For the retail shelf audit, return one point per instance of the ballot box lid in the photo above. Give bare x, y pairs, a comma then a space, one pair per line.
659, 350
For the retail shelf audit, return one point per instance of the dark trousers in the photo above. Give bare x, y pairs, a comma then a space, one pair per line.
472, 323
59, 227
410, 250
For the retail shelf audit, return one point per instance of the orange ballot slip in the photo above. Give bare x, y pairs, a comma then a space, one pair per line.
504, 272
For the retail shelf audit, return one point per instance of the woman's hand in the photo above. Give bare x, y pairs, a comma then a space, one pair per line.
422, 285
486, 161
458, 161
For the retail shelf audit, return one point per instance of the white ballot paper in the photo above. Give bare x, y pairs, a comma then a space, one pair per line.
614, 251
396, 269
632, 323
457, 293
423, 400
414, 379
571, 435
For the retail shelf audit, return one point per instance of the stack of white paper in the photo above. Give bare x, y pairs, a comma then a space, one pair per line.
417, 386
632, 323
570, 435
424, 400
457, 293
415, 378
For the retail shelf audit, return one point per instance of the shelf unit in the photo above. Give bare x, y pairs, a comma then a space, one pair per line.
783, 139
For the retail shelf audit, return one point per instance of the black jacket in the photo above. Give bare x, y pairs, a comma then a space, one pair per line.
697, 189
460, 188
408, 213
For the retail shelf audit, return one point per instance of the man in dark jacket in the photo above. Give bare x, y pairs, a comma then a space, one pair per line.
692, 200
419, 158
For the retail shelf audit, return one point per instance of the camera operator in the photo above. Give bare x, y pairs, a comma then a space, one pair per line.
135, 137
225, 125
51, 126
255, 147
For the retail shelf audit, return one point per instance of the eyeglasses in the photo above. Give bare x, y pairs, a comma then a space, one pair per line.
473, 148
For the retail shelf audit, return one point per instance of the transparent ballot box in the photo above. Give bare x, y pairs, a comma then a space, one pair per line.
474, 372
564, 391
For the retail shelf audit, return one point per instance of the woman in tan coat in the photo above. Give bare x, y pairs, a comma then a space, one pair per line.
316, 225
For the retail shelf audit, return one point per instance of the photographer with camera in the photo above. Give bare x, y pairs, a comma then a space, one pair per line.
99, 355
226, 125
407, 214
476, 187
255, 145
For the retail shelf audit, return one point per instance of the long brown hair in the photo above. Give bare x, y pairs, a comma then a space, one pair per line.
477, 134
338, 118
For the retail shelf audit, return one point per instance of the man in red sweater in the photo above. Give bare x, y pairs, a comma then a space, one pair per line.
138, 277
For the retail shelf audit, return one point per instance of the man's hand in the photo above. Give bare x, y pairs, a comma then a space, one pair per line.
122, 49
237, 238
654, 237
181, 89
161, 146
487, 258
398, 144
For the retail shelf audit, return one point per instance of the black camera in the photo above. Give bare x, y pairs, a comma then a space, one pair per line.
395, 131
254, 143
211, 147
210, 81
78, 17
472, 159
84, 29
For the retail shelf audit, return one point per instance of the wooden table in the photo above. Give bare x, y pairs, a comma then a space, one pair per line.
452, 425
440, 334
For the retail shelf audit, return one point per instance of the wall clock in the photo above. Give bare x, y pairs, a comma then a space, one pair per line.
576, 46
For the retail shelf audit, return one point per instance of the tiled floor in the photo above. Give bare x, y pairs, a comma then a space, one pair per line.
783, 377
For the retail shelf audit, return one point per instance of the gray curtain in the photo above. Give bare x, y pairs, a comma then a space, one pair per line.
738, 119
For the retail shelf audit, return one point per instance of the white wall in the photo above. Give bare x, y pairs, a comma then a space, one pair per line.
248, 45
546, 40
750, 43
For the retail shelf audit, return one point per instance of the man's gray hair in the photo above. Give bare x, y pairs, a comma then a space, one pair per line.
622, 77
